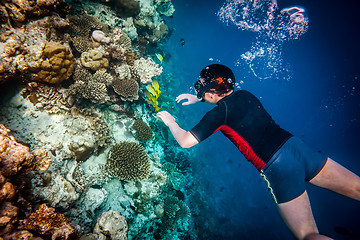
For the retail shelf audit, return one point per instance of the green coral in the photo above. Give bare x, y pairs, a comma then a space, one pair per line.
142, 131
128, 161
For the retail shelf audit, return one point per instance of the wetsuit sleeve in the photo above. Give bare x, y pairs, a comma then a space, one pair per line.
208, 125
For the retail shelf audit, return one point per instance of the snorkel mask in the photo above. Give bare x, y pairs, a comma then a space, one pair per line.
211, 76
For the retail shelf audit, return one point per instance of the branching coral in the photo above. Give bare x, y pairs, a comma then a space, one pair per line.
146, 69
46, 221
128, 161
90, 86
142, 131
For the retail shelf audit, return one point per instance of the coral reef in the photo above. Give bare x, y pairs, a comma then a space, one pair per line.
112, 224
46, 221
128, 161
142, 131
18, 12
27, 55
146, 69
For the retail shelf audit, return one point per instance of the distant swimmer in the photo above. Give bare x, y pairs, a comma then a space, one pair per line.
182, 42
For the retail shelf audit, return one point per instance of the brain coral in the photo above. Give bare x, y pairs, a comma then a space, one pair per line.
57, 63
143, 131
127, 89
128, 161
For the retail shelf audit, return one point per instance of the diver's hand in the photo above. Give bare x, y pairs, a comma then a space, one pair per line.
166, 117
191, 99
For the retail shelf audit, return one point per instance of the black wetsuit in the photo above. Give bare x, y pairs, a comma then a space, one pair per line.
242, 118
284, 161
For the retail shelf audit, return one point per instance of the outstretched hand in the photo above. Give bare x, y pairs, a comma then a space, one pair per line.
166, 117
191, 99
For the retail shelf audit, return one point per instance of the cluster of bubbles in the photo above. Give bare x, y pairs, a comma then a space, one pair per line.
272, 26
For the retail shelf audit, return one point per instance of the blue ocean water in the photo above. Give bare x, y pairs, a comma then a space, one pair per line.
318, 99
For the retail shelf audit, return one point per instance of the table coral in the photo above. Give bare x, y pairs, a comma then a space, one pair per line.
128, 161
127, 89
46, 221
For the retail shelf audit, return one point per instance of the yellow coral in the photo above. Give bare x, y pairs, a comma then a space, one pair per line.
57, 63
94, 59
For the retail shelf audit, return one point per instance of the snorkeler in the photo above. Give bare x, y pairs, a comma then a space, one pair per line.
282, 159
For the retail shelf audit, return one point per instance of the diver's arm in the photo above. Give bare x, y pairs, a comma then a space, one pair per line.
191, 99
184, 138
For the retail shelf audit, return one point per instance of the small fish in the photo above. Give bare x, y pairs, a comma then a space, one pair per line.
182, 42
156, 86
237, 11
151, 90
160, 57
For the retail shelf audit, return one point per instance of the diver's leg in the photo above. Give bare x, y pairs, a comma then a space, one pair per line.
335, 177
298, 217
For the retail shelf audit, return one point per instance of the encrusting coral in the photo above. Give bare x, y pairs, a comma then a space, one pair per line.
142, 131
128, 161
94, 59
46, 221
112, 224
15, 159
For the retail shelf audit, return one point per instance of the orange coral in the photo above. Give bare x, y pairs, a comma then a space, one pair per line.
46, 221
57, 65
13, 155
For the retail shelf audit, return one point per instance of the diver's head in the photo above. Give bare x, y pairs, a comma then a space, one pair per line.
215, 78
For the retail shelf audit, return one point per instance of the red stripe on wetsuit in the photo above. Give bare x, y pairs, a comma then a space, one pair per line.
243, 146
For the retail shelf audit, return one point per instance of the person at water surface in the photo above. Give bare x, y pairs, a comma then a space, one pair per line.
283, 160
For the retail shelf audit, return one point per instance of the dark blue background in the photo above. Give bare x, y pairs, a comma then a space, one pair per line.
320, 104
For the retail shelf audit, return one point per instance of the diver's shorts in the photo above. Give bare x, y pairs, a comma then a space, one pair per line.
291, 166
